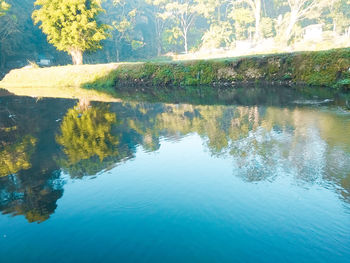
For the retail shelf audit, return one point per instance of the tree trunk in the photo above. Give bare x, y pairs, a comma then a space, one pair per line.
118, 55
77, 56
257, 19
159, 43
84, 103
292, 21
185, 41
159, 48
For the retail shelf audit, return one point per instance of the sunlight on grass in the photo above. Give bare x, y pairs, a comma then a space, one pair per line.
58, 82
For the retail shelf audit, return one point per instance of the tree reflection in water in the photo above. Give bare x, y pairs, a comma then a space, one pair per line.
29, 183
309, 145
16, 157
87, 140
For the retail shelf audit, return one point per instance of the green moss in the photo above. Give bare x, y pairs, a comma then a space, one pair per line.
324, 68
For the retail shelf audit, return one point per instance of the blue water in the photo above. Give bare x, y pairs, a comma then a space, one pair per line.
276, 189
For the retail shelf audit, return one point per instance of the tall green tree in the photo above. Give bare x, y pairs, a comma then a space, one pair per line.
71, 25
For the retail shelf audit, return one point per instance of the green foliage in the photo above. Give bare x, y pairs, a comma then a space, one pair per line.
87, 133
182, 15
71, 25
343, 84
243, 22
323, 68
16, 157
218, 35
337, 16
136, 44
122, 15
267, 27
190, 73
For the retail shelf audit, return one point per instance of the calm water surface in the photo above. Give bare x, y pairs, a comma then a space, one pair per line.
244, 176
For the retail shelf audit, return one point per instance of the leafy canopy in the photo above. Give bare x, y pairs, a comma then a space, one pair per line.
71, 24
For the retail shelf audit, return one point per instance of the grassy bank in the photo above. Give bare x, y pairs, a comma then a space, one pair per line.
58, 82
322, 68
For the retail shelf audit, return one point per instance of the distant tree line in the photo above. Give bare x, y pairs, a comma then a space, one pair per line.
142, 29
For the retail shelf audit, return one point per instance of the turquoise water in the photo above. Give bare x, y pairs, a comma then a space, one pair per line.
152, 182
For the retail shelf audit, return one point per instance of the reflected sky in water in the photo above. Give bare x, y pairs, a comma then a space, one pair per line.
164, 182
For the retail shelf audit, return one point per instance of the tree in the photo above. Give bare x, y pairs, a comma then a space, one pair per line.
157, 11
214, 10
243, 21
3, 7
183, 13
220, 30
267, 27
255, 6
339, 13
299, 10
217, 36
123, 17
71, 25
9, 39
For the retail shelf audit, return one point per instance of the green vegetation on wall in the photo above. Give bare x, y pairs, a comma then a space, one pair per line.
321, 68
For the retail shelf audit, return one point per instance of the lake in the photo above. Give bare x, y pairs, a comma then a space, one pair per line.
240, 175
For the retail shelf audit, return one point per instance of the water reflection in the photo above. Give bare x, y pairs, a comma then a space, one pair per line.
30, 183
309, 144
87, 140
15, 157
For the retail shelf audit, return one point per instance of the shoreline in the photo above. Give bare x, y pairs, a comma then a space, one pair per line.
329, 69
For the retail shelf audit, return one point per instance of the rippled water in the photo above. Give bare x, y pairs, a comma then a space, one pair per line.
243, 176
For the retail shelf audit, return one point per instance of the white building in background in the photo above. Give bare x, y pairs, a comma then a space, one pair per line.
313, 33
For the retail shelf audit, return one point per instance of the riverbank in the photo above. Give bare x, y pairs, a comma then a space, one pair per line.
58, 82
322, 68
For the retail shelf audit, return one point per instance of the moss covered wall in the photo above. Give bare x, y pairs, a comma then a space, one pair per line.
325, 68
